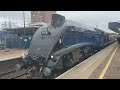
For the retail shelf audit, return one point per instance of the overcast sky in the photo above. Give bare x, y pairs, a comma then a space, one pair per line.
92, 18
14, 16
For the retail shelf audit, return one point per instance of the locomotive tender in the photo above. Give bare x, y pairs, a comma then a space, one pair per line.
61, 45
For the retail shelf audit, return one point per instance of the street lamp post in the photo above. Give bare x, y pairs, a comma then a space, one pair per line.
24, 21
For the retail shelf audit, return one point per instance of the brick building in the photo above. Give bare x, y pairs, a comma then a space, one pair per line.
41, 16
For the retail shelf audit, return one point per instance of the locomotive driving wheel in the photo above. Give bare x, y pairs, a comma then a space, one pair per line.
68, 61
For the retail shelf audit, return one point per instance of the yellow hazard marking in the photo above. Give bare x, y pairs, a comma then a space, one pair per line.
107, 65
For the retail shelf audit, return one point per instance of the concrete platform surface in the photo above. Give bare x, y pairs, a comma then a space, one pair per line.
11, 53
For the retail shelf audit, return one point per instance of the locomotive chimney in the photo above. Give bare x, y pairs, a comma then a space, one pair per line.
57, 20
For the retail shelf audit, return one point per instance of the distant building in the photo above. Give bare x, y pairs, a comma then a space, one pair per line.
14, 19
41, 16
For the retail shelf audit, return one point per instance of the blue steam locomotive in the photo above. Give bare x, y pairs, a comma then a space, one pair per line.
61, 45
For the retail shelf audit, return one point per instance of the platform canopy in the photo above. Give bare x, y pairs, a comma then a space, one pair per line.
115, 26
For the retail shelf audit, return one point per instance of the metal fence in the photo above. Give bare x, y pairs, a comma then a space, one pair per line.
11, 40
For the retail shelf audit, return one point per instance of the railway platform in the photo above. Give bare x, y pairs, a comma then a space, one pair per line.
103, 65
9, 54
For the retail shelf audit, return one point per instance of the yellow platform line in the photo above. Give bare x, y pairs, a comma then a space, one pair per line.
107, 65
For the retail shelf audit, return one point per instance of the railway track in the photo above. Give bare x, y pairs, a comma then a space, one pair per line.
7, 69
13, 75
